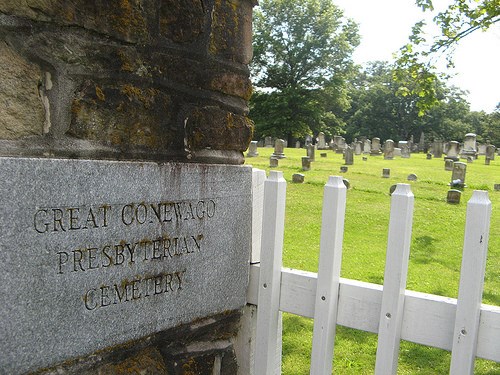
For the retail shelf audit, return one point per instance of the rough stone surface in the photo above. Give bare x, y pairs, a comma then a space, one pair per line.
134, 79
98, 253
21, 111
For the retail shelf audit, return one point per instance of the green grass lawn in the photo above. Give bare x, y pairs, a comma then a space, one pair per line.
435, 254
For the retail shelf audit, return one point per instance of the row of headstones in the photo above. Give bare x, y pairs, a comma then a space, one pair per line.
452, 149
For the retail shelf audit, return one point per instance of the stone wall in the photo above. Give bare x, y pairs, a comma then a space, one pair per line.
126, 79
122, 80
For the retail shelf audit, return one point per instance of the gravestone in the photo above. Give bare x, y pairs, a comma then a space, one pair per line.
268, 142
364, 158
490, 152
341, 145
470, 159
273, 162
458, 174
343, 168
346, 182
298, 178
448, 164
386, 173
453, 149
252, 150
412, 177
437, 149
349, 156
481, 149
321, 141
405, 151
306, 163
496, 187
453, 196
323, 154
397, 151
311, 149
375, 147
279, 147
389, 149
392, 189
487, 161
470, 147
367, 146
421, 142
307, 141
428, 156
358, 149
297, 144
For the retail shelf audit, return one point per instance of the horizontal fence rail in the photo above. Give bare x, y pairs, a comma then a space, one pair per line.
463, 326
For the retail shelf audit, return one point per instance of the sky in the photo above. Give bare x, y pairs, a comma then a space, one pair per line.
384, 26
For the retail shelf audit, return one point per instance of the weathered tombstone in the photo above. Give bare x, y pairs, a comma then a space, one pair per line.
481, 149
367, 146
307, 141
452, 152
389, 149
321, 141
437, 149
421, 142
279, 147
470, 147
126, 231
346, 182
412, 177
358, 148
310, 152
487, 161
252, 150
349, 156
458, 174
392, 189
344, 168
365, 158
297, 144
428, 156
298, 178
323, 154
470, 159
375, 147
448, 164
396, 152
260, 143
273, 162
268, 142
386, 172
306, 163
490, 152
341, 145
453, 196
496, 187
405, 151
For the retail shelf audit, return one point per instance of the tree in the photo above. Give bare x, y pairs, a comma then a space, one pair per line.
302, 56
460, 19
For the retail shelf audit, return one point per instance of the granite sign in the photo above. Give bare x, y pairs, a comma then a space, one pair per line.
97, 253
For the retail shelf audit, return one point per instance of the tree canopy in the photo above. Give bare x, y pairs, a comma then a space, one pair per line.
419, 55
302, 58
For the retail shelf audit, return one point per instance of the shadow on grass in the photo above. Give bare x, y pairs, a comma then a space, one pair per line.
424, 357
422, 250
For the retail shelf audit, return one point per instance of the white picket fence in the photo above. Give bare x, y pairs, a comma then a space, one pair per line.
463, 326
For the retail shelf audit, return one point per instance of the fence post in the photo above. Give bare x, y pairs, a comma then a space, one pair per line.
470, 291
268, 314
327, 291
396, 270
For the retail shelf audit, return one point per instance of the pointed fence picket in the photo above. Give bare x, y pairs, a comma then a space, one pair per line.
463, 326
